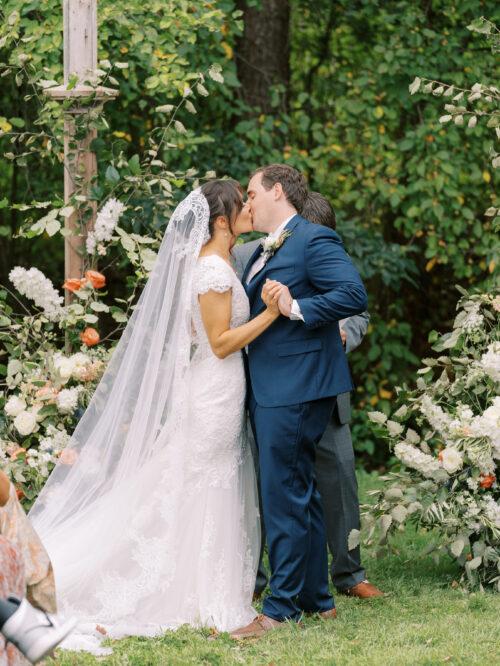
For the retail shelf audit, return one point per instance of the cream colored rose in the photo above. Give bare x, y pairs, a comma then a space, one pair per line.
451, 460
25, 423
14, 406
64, 367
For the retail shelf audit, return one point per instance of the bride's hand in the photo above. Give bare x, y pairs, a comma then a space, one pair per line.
271, 292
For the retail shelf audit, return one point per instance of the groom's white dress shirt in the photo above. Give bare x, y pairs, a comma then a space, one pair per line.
260, 262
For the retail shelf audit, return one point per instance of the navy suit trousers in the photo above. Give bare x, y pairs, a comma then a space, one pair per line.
293, 516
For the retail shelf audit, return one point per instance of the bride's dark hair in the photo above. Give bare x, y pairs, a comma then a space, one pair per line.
225, 197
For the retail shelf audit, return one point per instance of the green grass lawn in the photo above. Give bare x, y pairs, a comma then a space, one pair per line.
423, 620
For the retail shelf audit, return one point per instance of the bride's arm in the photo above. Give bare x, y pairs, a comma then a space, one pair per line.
216, 314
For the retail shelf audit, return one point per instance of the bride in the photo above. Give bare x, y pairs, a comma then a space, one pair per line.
151, 517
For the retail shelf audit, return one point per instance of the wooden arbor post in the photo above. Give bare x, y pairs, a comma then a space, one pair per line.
80, 166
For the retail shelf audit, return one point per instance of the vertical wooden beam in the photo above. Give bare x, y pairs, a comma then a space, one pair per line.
80, 59
80, 165
80, 37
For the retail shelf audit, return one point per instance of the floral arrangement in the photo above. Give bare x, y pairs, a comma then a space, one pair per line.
46, 393
445, 435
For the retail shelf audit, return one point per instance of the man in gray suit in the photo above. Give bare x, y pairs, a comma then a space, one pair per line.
335, 466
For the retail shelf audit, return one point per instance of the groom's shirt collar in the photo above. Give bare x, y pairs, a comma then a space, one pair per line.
276, 233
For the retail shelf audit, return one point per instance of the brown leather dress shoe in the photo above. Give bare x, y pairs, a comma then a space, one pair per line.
363, 590
257, 628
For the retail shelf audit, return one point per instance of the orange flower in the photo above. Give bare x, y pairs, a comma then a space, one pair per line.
487, 480
73, 284
90, 336
96, 279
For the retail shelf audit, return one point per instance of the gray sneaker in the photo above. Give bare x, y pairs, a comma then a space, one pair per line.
34, 632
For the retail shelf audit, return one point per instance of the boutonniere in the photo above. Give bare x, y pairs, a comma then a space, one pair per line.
271, 246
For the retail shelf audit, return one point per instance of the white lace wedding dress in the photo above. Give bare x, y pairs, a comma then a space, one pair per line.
186, 532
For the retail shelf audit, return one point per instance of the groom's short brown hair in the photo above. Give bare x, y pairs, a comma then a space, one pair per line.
292, 181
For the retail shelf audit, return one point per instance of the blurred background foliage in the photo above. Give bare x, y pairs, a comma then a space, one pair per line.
320, 85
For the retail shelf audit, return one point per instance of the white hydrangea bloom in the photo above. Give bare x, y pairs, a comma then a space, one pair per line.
412, 437
34, 285
394, 428
377, 417
401, 412
14, 406
54, 441
488, 425
438, 419
473, 319
490, 361
67, 400
106, 221
492, 510
416, 459
473, 484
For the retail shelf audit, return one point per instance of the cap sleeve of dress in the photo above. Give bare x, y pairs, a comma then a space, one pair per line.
212, 274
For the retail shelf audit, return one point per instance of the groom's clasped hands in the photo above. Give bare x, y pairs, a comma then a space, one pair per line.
275, 294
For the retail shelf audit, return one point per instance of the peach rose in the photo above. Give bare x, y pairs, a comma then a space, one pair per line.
68, 456
47, 393
96, 279
74, 284
487, 480
17, 452
90, 336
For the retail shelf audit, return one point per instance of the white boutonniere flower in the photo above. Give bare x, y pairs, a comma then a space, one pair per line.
271, 245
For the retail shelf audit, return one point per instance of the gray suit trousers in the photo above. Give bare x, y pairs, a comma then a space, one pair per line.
338, 487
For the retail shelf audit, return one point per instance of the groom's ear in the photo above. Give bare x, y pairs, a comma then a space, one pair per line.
278, 191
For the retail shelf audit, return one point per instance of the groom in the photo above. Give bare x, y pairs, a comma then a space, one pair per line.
296, 368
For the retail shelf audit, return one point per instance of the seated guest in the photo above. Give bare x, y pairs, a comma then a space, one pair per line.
15, 526
24, 567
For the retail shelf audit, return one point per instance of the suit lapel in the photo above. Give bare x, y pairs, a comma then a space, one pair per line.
256, 281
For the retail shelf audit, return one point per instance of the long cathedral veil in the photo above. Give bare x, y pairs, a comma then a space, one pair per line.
141, 394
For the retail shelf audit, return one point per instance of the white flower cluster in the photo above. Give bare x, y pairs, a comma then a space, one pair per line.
106, 221
473, 319
67, 400
54, 441
438, 419
39, 461
71, 366
25, 420
490, 361
492, 510
451, 459
416, 459
34, 285
488, 425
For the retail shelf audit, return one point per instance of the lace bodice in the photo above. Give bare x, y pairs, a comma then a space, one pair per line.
212, 273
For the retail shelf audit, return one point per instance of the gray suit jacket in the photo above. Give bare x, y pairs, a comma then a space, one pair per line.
355, 327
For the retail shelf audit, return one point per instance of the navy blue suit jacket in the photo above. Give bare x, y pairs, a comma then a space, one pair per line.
294, 361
